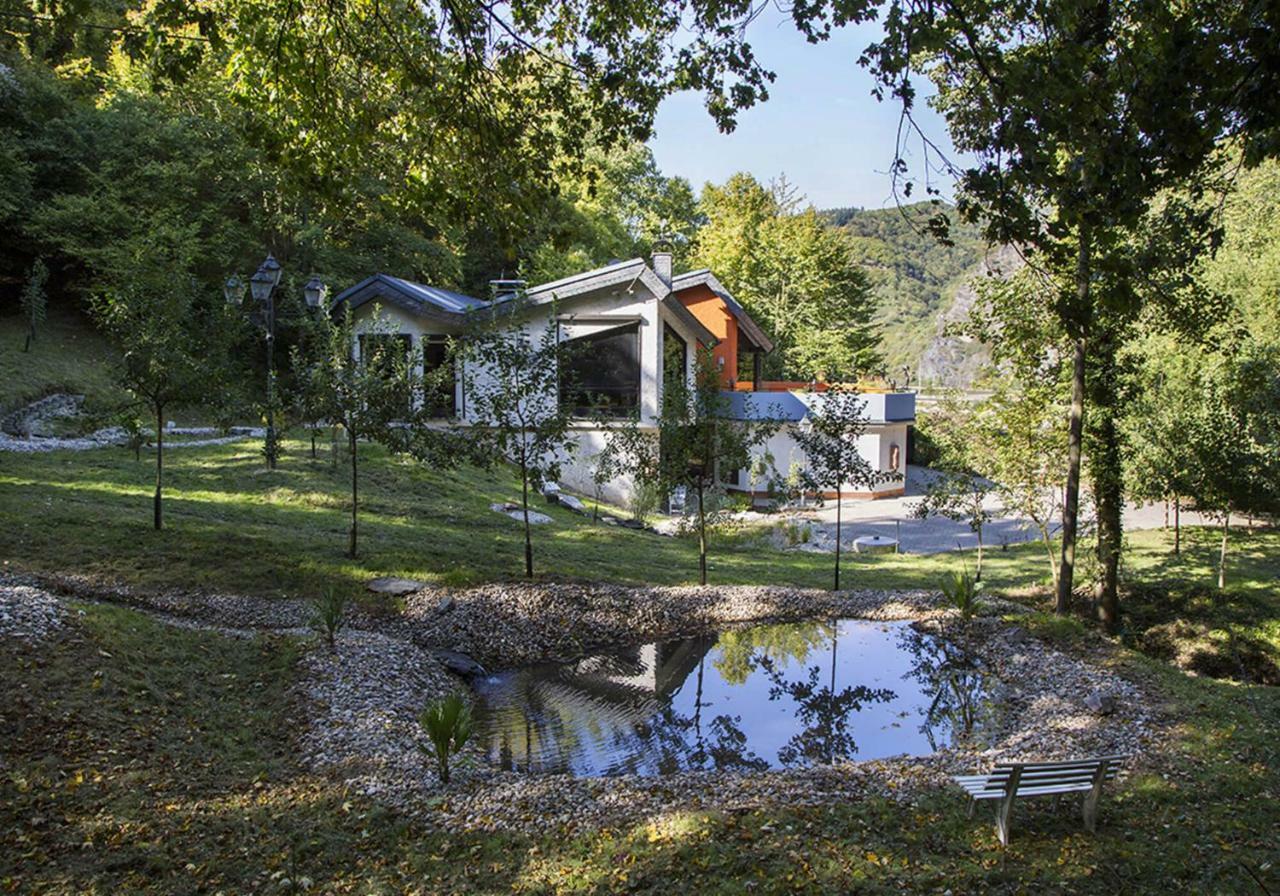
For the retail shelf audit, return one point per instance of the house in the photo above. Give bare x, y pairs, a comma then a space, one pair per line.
642, 326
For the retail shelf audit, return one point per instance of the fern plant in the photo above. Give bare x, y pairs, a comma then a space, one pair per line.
327, 615
960, 592
448, 726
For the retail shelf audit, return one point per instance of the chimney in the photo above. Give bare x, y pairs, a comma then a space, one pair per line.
662, 263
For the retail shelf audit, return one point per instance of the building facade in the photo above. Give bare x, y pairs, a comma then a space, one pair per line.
642, 325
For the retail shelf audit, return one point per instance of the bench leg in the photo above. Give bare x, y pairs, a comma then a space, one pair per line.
1089, 806
968, 812
1003, 811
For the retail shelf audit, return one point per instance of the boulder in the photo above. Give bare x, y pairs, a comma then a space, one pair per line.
572, 503
459, 663
394, 586
516, 513
1100, 703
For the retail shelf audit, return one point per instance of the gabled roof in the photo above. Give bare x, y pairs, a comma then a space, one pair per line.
749, 327
417, 298
451, 307
620, 272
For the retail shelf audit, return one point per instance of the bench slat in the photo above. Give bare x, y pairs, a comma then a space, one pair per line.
1034, 791
1044, 777
1035, 780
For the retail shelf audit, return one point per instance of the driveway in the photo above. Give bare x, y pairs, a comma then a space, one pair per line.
892, 517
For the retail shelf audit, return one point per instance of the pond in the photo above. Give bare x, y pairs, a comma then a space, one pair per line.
770, 696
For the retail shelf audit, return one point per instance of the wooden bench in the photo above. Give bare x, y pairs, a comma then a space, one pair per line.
1025, 779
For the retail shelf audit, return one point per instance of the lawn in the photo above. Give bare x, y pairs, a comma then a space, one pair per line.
233, 525
142, 758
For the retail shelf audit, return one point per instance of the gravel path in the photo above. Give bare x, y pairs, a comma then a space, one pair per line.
360, 702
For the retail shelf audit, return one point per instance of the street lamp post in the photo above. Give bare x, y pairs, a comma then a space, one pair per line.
262, 286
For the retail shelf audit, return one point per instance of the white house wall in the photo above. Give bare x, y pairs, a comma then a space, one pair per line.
875, 445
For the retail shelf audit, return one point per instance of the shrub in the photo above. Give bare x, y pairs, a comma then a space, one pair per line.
960, 592
448, 726
646, 497
327, 615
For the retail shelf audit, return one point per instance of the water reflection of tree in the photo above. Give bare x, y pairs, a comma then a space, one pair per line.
681, 741
739, 649
956, 680
824, 712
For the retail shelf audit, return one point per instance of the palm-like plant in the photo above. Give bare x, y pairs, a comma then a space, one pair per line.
960, 592
448, 726
326, 615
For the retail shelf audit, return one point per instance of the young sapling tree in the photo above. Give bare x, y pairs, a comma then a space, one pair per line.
828, 436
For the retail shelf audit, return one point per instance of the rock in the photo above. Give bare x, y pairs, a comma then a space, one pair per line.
631, 524
445, 606
1100, 703
393, 586
572, 503
516, 513
459, 663
551, 491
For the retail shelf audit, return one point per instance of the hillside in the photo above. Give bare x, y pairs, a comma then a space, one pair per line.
919, 285
68, 355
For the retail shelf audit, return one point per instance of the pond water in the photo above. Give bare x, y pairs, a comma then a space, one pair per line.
771, 696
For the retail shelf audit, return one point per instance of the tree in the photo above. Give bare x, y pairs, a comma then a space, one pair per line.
794, 274
367, 394
155, 314
957, 491
699, 439
828, 436
512, 379
1020, 444
1227, 407
34, 300
1078, 118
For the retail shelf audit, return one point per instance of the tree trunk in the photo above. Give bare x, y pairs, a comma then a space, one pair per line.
1071, 497
156, 514
837, 585
1048, 549
1177, 525
1108, 485
702, 538
528, 537
1075, 428
1222, 555
355, 494
977, 575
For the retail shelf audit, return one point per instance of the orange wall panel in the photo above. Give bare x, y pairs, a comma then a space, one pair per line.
711, 312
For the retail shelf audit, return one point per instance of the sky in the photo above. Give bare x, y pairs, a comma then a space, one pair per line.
820, 127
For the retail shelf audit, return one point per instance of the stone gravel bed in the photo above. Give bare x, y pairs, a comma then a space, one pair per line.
29, 614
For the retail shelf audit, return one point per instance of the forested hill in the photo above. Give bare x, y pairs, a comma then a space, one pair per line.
916, 280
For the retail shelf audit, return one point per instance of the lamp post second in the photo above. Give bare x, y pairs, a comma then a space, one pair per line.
262, 286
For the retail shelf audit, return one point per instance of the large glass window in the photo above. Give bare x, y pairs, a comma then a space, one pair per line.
601, 373
440, 378
675, 358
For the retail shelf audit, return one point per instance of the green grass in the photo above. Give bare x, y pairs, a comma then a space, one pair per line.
68, 355
233, 525
139, 758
